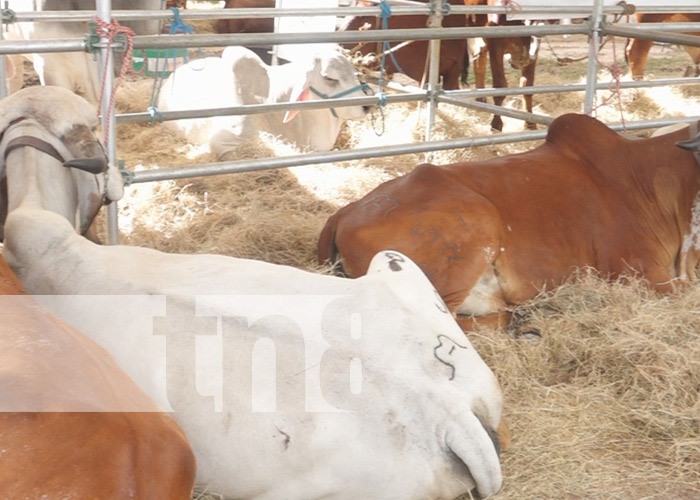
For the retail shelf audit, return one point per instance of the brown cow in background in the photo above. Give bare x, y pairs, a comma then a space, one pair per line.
454, 61
248, 25
251, 24
637, 50
412, 57
523, 56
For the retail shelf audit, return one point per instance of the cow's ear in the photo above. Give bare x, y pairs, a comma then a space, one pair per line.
476, 448
10, 70
299, 94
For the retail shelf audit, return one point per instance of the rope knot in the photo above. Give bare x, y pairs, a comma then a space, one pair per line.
178, 25
110, 31
385, 10
627, 8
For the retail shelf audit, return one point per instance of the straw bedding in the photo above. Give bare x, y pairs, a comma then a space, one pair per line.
604, 406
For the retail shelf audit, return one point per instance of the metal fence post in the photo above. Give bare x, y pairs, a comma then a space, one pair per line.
104, 12
434, 21
596, 21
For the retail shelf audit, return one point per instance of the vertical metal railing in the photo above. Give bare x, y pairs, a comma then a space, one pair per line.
109, 122
596, 22
434, 21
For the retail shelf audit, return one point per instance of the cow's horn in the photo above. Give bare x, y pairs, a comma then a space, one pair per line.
690, 144
95, 165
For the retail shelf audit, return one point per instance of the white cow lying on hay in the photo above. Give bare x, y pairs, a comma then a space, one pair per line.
240, 77
314, 387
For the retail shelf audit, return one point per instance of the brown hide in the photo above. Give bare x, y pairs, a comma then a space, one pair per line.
89, 450
637, 50
412, 58
512, 226
249, 25
495, 51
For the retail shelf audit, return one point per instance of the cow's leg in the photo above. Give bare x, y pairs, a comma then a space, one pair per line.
481, 60
637, 52
694, 53
528, 80
496, 53
454, 59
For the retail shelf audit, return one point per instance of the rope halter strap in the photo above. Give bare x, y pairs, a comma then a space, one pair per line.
363, 87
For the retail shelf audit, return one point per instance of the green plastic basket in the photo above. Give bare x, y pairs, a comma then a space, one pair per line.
158, 61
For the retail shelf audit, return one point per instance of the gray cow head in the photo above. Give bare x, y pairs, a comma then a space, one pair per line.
61, 124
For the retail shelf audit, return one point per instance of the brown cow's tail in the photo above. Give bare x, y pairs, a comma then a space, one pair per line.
327, 249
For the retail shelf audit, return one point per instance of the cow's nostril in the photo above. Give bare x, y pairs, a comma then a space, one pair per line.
366, 109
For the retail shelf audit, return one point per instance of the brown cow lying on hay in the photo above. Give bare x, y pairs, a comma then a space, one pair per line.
493, 234
72, 423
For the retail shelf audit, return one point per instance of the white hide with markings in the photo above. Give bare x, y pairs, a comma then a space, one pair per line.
328, 388
240, 77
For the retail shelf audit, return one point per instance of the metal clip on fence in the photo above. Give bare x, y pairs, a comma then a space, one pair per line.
92, 39
8, 16
445, 11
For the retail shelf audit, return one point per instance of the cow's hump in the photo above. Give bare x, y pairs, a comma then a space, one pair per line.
583, 136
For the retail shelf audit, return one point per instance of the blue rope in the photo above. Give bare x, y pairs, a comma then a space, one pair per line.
177, 25
386, 46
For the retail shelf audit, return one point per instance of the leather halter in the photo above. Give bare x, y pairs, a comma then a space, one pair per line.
45, 147
33, 142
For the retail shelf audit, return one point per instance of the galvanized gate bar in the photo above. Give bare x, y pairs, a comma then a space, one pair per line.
657, 35
209, 169
497, 110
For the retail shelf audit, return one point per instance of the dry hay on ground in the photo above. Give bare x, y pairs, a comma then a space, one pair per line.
605, 406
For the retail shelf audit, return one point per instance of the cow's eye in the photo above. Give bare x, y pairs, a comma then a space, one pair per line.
330, 81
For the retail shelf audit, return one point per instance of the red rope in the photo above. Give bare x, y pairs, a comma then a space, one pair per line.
110, 31
615, 86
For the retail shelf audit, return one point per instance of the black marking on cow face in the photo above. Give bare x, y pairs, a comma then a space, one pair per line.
395, 261
440, 304
445, 352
